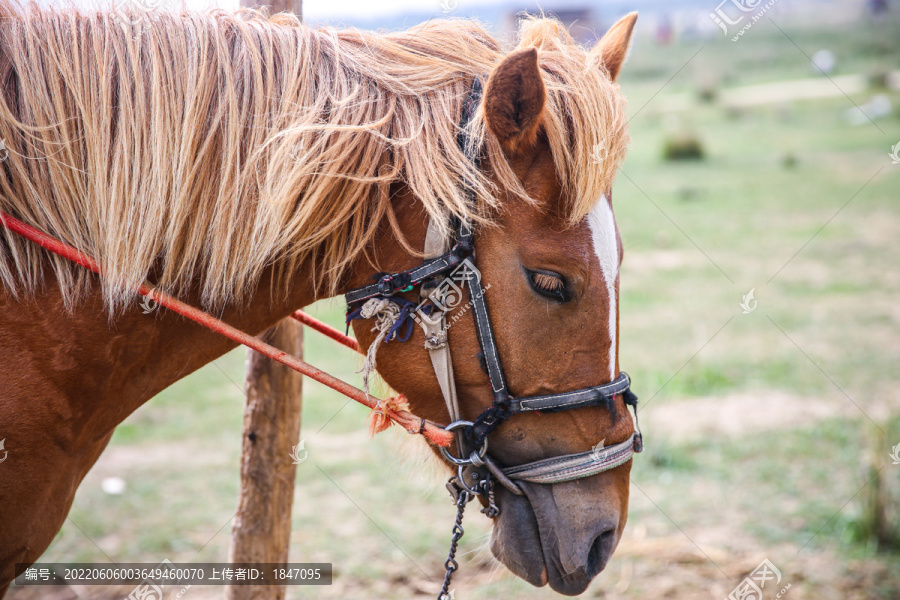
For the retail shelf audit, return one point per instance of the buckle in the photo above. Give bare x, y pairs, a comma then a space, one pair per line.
437, 340
385, 285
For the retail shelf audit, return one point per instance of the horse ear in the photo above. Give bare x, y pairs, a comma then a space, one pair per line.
612, 49
514, 100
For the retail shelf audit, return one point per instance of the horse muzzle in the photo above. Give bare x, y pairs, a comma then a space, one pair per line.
562, 534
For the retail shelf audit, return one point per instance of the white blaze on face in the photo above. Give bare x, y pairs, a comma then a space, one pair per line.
603, 233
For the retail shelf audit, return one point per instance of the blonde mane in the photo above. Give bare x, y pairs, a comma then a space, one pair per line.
198, 149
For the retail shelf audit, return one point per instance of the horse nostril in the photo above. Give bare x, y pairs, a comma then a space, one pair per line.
600, 552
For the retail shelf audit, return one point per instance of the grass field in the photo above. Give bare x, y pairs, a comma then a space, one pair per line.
763, 430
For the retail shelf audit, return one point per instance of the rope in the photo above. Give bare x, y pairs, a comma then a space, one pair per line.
386, 314
435, 433
389, 315
325, 329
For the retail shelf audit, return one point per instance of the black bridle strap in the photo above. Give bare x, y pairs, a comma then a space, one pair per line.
591, 396
392, 283
487, 342
499, 410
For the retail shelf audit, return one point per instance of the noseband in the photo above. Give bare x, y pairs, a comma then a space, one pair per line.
446, 274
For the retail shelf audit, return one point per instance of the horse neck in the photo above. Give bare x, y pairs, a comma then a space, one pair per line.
102, 370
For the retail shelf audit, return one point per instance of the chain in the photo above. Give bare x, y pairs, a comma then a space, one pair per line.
491, 510
450, 564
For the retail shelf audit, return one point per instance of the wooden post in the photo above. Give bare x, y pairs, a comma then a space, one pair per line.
261, 531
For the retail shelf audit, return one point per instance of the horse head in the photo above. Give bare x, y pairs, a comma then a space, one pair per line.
548, 255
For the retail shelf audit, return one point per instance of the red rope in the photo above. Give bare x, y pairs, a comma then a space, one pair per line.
435, 433
326, 329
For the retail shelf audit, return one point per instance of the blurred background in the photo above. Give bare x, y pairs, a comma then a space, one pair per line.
760, 321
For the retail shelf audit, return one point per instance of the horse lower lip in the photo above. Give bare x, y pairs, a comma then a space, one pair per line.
569, 581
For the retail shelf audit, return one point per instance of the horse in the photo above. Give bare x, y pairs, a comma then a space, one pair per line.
252, 165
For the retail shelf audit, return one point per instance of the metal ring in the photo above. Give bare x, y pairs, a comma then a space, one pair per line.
461, 462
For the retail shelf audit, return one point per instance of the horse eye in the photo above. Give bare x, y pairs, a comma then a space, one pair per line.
549, 285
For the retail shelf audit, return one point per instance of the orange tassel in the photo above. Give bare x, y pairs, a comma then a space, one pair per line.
396, 410
384, 415
378, 421
438, 435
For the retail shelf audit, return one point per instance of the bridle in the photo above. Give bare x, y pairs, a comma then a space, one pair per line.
476, 470
458, 264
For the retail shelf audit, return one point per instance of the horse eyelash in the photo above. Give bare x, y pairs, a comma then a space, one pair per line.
548, 283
